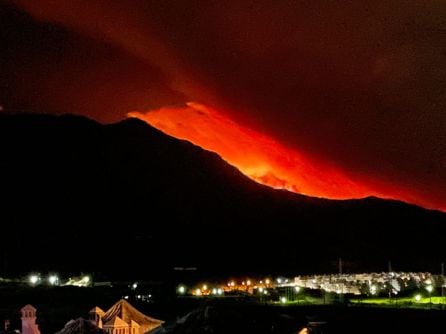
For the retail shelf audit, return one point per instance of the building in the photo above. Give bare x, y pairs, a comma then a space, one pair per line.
123, 318
29, 318
81, 326
7, 329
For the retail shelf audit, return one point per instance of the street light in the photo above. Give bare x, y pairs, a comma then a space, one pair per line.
296, 291
53, 280
429, 289
34, 279
181, 289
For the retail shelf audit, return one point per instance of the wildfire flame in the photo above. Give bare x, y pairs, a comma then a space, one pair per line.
269, 162
256, 155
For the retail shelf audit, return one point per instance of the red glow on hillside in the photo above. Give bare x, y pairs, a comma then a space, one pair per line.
254, 154
267, 161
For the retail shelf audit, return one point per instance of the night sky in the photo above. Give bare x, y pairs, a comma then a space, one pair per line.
358, 86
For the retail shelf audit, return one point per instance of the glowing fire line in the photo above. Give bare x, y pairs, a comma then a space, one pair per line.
267, 161
258, 156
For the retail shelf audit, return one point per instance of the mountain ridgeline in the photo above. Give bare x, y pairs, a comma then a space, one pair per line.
126, 200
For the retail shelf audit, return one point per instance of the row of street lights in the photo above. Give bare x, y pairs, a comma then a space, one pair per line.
36, 279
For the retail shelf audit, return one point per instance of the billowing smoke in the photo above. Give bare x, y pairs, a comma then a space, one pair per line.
356, 85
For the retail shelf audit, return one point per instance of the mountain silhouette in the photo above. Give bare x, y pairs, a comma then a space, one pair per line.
126, 200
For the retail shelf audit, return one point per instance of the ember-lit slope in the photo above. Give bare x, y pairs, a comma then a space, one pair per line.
267, 161
256, 155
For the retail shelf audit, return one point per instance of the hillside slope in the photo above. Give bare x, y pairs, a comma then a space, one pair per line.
125, 195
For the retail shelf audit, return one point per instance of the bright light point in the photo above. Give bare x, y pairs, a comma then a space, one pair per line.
182, 290
214, 291
429, 288
265, 292
197, 292
53, 279
134, 285
267, 281
297, 288
205, 287
283, 300
248, 282
261, 282
33, 279
418, 297
126, 297
279, 280
86, 279
220, 291
260, 290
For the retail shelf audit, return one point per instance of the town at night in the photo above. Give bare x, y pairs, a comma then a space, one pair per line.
224, 167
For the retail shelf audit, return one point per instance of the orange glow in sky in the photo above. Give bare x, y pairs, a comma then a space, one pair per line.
267, 161
256, 155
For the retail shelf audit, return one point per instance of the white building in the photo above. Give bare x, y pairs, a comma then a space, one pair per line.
29, 325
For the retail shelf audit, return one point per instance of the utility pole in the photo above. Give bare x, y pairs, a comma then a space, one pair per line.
389, 264
442, 283
340, 280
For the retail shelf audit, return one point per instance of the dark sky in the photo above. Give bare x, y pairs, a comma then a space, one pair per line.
360, 84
